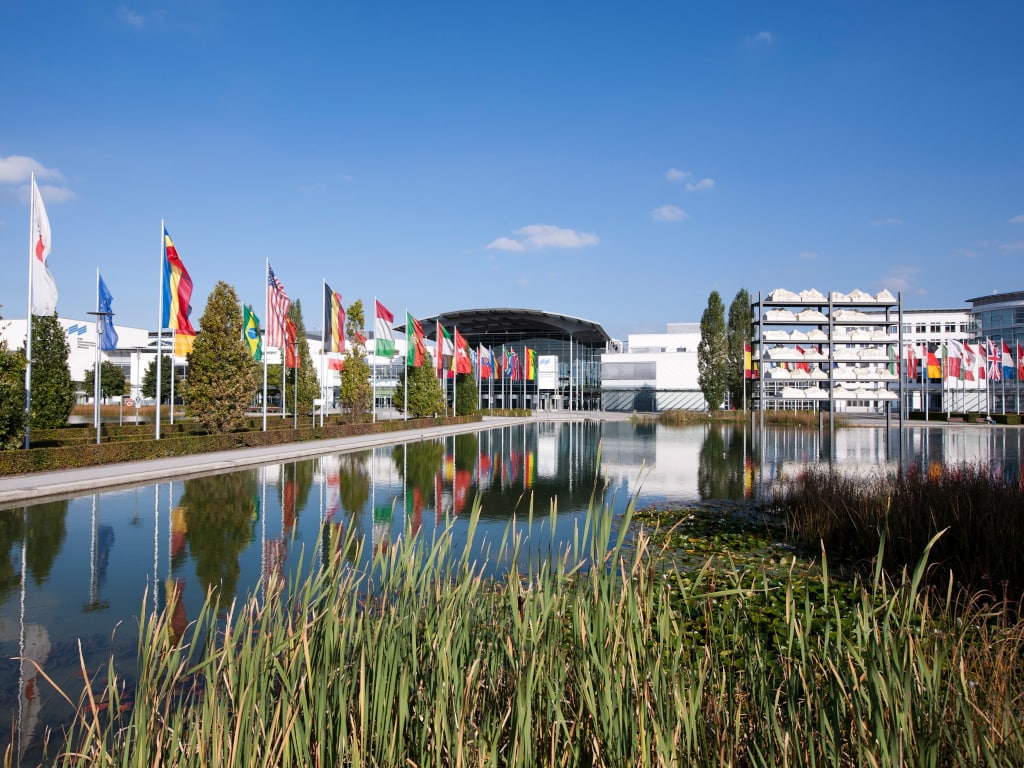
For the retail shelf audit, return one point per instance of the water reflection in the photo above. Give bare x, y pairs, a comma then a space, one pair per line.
73, 570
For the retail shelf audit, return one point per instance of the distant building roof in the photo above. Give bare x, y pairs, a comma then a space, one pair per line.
502, 325
997, 298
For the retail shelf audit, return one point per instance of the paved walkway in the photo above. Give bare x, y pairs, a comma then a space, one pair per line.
42, 486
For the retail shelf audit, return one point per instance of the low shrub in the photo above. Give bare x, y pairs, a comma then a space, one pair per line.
185, 443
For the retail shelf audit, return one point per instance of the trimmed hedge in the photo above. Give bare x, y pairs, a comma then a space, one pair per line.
90, 454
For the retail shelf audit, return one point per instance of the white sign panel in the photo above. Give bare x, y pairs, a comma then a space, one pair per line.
547, 372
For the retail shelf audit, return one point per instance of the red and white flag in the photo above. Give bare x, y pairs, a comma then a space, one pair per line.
44, 289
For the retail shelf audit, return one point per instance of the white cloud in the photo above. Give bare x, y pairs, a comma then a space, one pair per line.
1014, 247
886, 222
536, 237
808, 255
764, 37
1019, 219
669, 213
52, 194
17, 169
505, 244
969, 253
674, 174
137, 20
900, 279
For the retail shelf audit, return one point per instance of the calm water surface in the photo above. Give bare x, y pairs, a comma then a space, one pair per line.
83, 571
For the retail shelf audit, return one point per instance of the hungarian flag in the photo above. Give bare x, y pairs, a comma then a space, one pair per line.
251, 333
291, 346
177, 291
385, 340
463, 364
445, 350
417, 348
44, 288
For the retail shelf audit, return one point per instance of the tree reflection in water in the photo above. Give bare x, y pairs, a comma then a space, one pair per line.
219, 513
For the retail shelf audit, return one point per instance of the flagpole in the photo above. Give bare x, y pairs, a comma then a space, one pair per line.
373, 402
159, 332
174, 341
28, 329
95, 367
323, 355
266, 314
405, 405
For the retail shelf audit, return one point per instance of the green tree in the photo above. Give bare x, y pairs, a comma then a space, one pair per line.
220, 511
149, 380
12, 398
713, 353
112, 380
737, 336
305, 380
53, 391
467, 396
425, 395
221, 372
356, 391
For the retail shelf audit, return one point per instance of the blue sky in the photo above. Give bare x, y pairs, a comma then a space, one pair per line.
612, 161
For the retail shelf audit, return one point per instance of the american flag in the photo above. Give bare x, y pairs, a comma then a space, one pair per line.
277, 305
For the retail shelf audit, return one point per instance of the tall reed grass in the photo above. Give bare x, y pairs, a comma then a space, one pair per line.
594, 658
851, 517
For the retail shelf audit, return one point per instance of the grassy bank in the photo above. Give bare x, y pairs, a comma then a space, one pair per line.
775, 418
642, 645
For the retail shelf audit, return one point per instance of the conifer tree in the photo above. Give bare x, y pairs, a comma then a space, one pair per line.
737, 336
308, 380
356, 391
53, 391
221, 372
713, 353
149, 379
425, 396
12, 398
467, 396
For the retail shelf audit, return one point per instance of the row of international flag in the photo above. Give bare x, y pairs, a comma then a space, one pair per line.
453, 354
988, 360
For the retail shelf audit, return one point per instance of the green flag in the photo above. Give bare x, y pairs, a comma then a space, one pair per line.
251, 333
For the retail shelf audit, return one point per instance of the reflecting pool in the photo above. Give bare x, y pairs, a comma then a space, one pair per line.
82, 573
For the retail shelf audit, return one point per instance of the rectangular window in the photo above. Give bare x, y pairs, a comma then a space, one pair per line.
935, 328
950, 327
920, 328
628, 371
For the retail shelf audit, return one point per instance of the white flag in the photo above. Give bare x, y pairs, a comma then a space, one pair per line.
44, 289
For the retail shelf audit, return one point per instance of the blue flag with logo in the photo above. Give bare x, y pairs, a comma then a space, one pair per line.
105, 318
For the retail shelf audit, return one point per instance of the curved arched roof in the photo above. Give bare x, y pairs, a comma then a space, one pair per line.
512, 325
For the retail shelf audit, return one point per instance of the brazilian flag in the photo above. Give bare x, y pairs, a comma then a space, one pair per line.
251, 333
